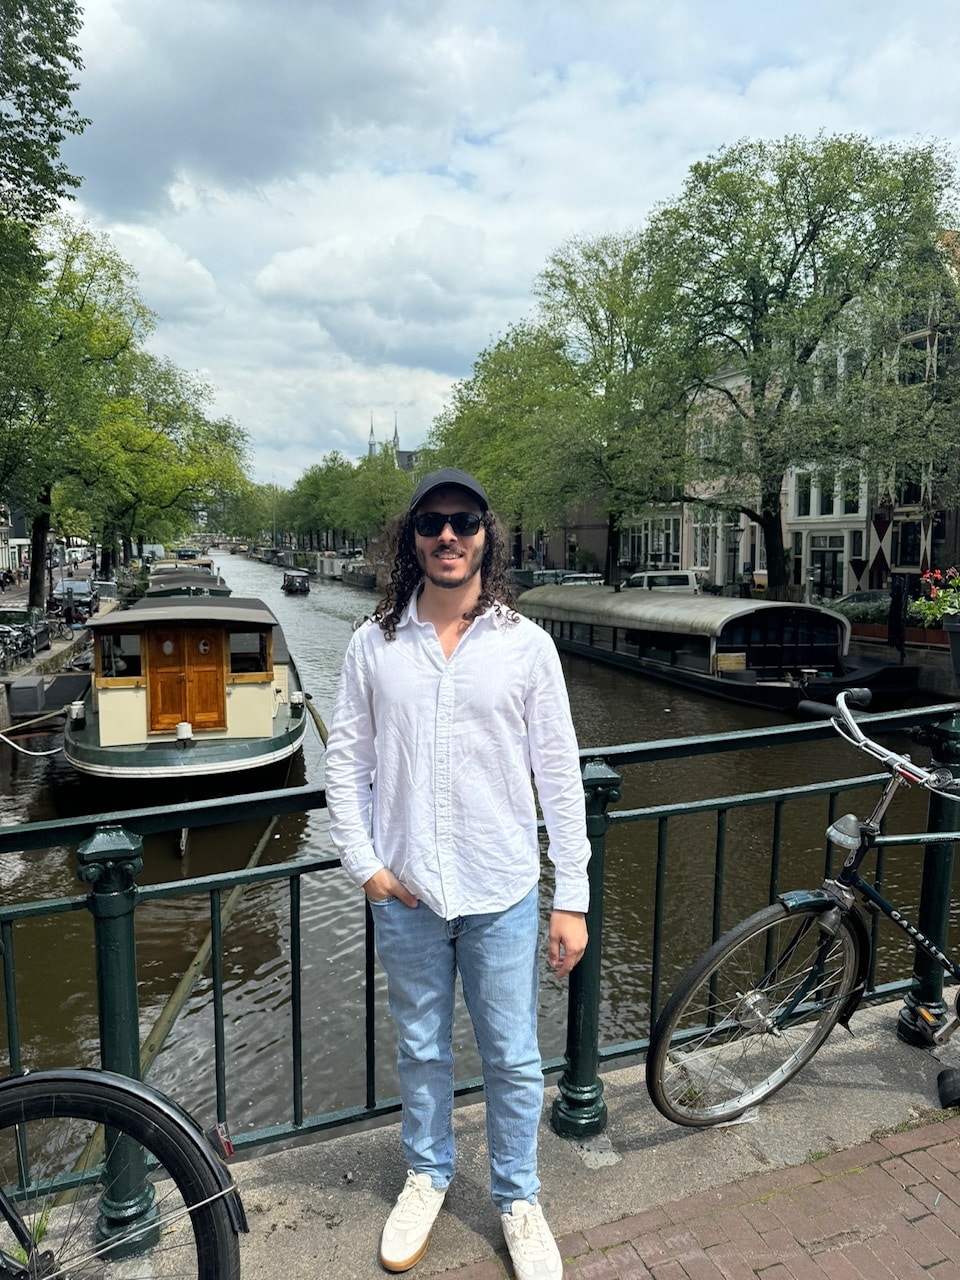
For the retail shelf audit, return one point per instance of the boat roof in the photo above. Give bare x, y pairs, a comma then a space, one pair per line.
296, 573
654, 610
201, 565
176, 581
161, 611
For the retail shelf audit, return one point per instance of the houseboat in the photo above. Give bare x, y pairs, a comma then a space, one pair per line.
750, 651
185, 581
187, 687
296, 582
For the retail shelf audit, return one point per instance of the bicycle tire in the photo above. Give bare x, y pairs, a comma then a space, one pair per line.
61, 1127
730, 1036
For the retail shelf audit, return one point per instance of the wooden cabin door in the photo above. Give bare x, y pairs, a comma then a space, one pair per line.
186, 679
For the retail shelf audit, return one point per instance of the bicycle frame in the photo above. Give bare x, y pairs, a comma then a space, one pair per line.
859, 837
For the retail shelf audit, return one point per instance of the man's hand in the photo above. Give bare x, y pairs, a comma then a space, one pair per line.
568, 940
384, 884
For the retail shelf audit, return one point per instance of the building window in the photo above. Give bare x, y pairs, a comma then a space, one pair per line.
908, 550
803, 493
704, 539
826, 497
851, 493
653, 544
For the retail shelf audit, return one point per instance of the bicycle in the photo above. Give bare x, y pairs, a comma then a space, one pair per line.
60, 629
101, 1175
764, 998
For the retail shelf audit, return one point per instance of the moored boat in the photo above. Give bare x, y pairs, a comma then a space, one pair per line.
186, 581
296, 582
755, 652
187, 687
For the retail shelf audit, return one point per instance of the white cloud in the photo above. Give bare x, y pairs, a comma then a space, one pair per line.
334, 207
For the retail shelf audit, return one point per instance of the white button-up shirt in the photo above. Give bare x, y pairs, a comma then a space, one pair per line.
429, 759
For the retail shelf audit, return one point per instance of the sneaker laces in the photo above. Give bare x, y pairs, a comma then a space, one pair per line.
531, 1230
412, 1203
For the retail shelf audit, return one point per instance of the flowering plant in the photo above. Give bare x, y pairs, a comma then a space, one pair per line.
940, 598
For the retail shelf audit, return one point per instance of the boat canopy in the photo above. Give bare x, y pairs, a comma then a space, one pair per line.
184, 581
228, 611
659, 611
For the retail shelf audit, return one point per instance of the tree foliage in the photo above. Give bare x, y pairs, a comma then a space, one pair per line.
758, 322
39, 56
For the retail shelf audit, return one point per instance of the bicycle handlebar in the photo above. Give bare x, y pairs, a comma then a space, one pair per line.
844, 721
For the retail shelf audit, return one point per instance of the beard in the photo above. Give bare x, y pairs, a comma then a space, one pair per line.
469, 566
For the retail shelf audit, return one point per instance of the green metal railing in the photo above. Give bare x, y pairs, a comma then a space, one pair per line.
109, 854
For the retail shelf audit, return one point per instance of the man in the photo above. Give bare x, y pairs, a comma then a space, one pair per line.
447, 700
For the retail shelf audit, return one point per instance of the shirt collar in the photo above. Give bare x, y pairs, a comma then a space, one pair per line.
410, 616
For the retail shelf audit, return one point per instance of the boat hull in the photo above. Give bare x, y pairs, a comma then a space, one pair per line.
196, 759
772, 695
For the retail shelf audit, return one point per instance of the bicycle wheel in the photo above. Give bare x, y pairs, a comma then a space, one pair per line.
751, 1013
107, 1185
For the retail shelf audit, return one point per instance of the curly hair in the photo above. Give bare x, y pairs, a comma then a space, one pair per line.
496, 588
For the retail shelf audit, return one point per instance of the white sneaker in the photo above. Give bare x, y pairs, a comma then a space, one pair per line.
406, 1232
533, 1250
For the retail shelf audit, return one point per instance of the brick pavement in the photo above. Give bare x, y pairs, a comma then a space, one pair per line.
883, 1209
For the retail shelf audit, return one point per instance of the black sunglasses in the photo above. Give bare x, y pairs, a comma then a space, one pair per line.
430, 524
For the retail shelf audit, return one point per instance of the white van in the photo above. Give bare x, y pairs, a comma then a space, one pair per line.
684, 581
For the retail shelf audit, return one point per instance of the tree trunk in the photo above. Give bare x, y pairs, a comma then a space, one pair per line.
612, 572
778, 565
40, 575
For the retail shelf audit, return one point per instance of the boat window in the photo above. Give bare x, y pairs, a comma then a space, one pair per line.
580, 632
248, 651
120, 655
628, 642
603, 638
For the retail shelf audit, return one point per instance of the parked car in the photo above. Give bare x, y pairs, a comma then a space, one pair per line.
581, 580
85, 593
682, 580
32, 620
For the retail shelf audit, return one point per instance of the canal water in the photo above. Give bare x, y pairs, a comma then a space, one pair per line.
54, 957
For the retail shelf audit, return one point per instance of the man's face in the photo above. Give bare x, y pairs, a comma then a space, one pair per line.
449, 560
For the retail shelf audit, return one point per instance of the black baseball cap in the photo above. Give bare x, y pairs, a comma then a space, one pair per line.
449, 476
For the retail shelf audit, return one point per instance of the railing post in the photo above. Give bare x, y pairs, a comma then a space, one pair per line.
580, 1111
110, 862
933, 916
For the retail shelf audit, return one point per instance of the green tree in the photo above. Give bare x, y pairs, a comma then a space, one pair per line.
39, 56
791, 272
378, 491
60, 351
153, 461
508, 424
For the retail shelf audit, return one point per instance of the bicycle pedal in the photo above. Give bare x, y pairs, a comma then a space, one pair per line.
928, 1024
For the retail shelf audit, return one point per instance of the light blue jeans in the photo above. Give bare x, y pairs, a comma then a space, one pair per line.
496, 957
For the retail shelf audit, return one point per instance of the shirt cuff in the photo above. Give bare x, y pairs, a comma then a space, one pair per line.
571, 893
361, 863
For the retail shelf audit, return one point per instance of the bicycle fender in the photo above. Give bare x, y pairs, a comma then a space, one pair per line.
189, 1128
798, 899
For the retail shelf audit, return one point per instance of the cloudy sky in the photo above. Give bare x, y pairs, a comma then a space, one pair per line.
334, 205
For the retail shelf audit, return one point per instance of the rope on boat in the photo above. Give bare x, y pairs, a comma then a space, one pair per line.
321, 727
25, 724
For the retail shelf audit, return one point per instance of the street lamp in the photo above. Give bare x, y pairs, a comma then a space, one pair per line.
733, 535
